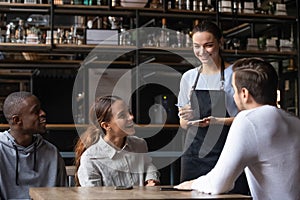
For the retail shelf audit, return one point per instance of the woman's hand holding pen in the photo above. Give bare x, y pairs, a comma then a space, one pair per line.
186, 112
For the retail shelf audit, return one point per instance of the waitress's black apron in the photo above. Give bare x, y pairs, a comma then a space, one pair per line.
203, 145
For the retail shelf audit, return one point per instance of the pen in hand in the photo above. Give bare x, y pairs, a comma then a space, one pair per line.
185, 112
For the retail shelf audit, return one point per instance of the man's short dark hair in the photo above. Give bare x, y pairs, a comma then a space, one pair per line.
259, 77
13, 103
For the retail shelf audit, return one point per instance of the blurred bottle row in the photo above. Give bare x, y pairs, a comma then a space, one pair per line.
234, 6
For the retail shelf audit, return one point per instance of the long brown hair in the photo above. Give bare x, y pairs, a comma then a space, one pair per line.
208, 26
99, 112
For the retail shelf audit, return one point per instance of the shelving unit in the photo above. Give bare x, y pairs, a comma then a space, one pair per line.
72, 50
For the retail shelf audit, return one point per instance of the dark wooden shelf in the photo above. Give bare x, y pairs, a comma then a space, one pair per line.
18, 47
25, 8
279, 55
40, 63
90, 10
52, 126
258, 18
85, 48
73, 126
62, 55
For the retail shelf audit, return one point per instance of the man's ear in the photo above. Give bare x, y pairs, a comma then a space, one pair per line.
16, 119
245, 95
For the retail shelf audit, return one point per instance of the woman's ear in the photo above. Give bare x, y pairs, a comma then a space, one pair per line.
105, 125
221, 43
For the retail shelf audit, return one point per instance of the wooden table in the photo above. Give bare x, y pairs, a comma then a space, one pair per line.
110, 193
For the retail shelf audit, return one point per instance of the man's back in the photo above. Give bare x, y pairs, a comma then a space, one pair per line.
37, 165
271, 148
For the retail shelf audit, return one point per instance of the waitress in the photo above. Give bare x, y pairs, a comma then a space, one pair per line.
206, 106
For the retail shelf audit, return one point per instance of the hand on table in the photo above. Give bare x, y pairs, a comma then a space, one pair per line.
151, 182
187, 185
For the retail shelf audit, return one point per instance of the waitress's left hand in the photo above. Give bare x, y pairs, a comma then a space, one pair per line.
200, 123
204, 122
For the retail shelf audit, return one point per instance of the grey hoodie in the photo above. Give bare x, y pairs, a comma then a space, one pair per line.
38, 165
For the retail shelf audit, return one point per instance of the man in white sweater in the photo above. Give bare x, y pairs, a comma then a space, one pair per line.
263, 140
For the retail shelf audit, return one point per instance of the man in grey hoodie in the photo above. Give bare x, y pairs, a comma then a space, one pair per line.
27, 160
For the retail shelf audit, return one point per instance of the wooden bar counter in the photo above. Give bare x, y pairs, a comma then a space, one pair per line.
75, 193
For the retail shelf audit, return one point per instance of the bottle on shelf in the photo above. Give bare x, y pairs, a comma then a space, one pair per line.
196, 22
236, 44
208, 6
271, 7
20, 32
195, 5
10, 33
115, 3
115, 22
258, 5
87, 2
164, 34
291, 66
163, 23
122, 37
181, 4
180, 38
155, 4
102, 2
3, 19
188, 5
105, 22
236, 7
188, 39
7, 34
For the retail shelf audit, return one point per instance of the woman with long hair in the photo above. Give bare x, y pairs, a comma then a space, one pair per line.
107, 153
